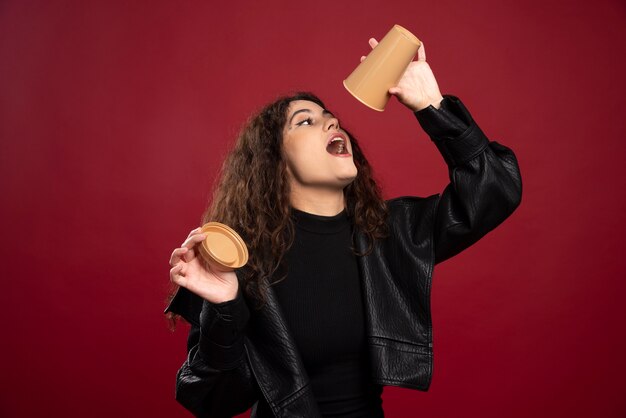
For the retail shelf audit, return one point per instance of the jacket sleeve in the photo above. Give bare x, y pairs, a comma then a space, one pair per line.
485, 183
215, 379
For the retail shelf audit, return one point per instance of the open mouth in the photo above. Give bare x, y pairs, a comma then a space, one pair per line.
337, 146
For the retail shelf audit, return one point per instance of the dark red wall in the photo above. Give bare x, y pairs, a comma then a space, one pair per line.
114, 119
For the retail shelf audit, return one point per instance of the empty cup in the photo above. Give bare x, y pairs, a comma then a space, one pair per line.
223, 246
382, 68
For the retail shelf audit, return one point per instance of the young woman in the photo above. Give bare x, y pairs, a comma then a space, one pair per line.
334, 302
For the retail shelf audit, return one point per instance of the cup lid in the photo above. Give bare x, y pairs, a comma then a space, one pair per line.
224, 245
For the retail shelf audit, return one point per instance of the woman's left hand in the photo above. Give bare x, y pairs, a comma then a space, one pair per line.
417, 89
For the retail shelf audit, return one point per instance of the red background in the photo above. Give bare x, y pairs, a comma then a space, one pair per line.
114, 119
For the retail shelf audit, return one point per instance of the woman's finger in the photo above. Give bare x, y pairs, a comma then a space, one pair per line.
362, 58
373, 42
421, 53
176, 275
194, 231
193, 240
177, 255
396, 91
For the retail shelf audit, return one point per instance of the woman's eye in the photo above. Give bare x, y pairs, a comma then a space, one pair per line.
308, 121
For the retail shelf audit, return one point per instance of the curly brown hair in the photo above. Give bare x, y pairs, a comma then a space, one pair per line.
252, 196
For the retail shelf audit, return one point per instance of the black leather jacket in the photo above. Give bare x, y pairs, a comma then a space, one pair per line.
485, 188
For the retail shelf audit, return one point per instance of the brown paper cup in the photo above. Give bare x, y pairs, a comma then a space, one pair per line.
223, 246
382, 68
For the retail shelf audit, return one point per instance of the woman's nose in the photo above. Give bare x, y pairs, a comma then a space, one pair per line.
332, 123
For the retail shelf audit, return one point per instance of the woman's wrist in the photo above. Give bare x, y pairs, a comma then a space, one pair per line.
436, 103
227, 299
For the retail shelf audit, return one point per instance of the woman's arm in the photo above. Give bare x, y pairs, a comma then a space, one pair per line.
485, 183
215, 379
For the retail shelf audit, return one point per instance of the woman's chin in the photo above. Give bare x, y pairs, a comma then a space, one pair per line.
348, 178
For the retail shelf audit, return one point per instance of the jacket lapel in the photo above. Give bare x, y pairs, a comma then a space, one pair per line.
276, 363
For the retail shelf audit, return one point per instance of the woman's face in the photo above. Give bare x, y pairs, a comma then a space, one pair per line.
318, 153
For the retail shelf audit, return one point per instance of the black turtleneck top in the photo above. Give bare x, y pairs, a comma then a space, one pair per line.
322, 303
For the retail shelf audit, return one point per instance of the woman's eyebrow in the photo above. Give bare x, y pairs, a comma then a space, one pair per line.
324, 113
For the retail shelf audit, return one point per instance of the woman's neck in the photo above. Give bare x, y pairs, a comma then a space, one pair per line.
318, 201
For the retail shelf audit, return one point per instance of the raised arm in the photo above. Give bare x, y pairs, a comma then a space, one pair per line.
485, 183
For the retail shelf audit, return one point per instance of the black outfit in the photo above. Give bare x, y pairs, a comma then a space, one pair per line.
238, 358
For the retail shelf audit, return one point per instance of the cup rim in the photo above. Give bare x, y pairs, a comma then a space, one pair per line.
404, 31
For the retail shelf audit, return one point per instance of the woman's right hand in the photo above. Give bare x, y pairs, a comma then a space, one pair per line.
206, 280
